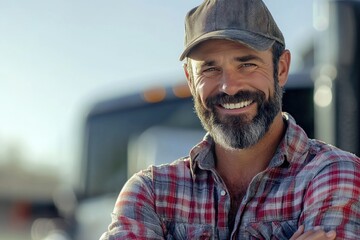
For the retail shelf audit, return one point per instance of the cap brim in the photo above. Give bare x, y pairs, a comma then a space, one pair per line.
252, 40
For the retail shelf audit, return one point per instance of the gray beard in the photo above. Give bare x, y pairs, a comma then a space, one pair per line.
238, 137
237, 132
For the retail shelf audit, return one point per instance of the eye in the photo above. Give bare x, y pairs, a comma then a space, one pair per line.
248, 65
211, 72
211, 69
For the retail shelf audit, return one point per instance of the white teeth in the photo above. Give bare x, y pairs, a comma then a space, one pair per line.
236, 105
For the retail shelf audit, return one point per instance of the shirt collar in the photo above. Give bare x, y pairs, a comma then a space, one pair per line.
295, 143
202, 155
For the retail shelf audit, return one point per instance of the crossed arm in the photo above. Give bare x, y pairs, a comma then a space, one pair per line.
331, 201
317, 233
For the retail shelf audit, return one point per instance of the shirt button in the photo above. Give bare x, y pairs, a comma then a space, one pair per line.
223, 192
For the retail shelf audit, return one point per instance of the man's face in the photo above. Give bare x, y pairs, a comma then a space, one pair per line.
236, 96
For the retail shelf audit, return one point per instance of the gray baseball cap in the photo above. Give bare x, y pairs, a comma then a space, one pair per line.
246, 21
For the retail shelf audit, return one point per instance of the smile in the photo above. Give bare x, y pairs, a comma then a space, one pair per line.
236, 105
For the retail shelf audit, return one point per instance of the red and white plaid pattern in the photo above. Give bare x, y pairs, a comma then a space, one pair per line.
307, 182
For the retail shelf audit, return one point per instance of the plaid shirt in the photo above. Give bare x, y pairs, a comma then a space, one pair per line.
307, 182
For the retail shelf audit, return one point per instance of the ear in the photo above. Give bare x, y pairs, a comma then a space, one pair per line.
284, 67
188, 76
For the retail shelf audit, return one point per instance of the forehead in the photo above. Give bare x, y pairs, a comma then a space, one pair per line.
215, 47
210, 50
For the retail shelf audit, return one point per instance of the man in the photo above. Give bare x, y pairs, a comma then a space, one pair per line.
256, 175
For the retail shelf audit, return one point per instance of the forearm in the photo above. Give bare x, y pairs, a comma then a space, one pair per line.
332, 200
134, 216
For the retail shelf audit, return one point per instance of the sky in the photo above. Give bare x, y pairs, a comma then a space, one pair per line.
59, 57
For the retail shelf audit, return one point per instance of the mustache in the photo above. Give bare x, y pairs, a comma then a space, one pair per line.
222, 98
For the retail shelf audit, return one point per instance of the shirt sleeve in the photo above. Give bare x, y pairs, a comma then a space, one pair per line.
134, 216
332, 199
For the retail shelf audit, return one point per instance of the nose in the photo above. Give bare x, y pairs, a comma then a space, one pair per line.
231, 82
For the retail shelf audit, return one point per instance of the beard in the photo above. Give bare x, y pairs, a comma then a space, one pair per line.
239, 132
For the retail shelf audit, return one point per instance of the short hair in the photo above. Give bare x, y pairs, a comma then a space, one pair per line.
277, 50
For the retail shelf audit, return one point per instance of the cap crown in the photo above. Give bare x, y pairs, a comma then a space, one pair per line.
247, 21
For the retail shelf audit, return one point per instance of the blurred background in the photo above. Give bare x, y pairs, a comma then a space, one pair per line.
84, 85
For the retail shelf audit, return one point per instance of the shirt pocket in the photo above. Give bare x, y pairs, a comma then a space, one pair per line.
274, 230
180, 231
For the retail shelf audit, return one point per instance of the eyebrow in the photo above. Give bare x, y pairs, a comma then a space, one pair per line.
246, 58
249, 57
207, 63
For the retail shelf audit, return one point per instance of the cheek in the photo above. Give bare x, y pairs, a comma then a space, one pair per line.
204, 90
264, 83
